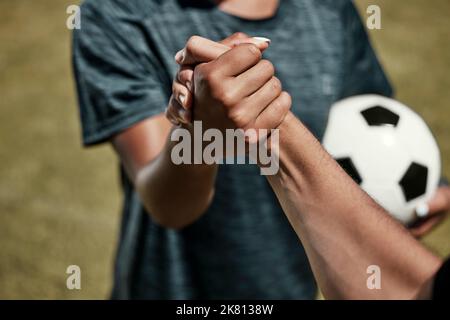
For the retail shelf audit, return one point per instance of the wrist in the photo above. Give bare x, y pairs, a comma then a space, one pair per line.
289, 123
298, 151
274, 145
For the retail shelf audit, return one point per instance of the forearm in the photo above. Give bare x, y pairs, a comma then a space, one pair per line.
175, 195
342, 229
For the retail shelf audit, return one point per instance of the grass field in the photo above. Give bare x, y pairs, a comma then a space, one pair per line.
59, 203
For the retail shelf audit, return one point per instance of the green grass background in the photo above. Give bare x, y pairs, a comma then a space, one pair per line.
59, 204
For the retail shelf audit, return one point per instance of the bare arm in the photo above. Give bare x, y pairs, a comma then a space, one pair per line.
145, 153
342, 229
166, 189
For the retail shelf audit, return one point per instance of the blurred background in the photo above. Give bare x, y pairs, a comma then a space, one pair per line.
60, 203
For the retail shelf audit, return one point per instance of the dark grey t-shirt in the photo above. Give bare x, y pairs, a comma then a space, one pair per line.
243, 246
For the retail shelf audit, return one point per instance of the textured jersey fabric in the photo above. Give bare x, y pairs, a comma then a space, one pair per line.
243, 246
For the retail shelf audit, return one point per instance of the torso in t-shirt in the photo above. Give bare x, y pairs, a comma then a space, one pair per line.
243, 246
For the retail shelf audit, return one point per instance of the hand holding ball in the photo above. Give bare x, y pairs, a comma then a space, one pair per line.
387, 149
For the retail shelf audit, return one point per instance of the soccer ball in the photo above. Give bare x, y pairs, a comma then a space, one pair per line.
387, 149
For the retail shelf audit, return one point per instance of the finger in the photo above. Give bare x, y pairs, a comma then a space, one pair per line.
423, 227
229, 41
241, 37
199, 50
183, 96
260, 42
252, 106
176, 113
186, 76
254, 78
237, 60
272, 116
441, 201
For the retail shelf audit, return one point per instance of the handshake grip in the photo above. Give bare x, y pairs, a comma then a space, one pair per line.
227, 85
229, 92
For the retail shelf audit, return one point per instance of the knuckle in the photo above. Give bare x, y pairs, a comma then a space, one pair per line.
276, 85
239, 35
226, 96
239, 117
205, 74
253, 51
268, 66
285, 103
211, 77
288, 99
282, 104
192, 43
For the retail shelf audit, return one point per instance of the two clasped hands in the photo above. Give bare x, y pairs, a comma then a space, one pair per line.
228, 85
232, 86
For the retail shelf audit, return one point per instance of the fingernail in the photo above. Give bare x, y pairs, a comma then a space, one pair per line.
262, 39
179, 56
182, 98
422, 210
189, 85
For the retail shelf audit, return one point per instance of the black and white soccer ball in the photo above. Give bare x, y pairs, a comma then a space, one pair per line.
387, 149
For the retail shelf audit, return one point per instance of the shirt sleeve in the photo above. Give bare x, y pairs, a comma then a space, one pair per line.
363, 73
118, 76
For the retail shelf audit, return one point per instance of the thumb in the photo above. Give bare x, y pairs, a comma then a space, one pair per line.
201, 50
438, 204
441, 201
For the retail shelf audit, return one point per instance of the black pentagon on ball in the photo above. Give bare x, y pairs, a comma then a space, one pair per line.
414, 181
380, 116
350, 168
